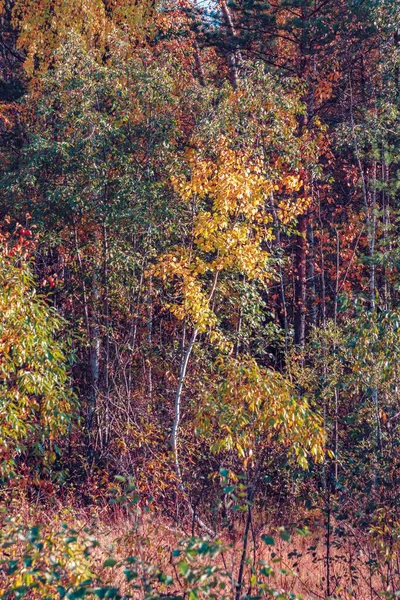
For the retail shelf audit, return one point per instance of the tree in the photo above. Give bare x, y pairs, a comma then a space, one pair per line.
37, 403
230, 183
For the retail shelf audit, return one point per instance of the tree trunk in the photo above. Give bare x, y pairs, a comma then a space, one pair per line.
313, 291
300, 286
234, 56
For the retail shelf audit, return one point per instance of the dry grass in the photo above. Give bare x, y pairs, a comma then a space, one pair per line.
304, 558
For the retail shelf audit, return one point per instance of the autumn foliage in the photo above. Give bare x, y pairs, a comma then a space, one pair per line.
199, 295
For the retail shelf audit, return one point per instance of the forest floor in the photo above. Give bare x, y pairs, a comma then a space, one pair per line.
300, 564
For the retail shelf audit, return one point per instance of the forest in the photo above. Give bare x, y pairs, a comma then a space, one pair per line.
200, 299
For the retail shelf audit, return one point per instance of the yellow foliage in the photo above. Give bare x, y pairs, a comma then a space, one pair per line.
195, 303
254, 407
43, 25
230, 231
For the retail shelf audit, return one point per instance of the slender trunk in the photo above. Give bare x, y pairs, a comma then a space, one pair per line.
370, 208
336, 434
372, 242
106, 317
378, 435
150, 336
300, 288
133, 328
336, 427
175, 430
328, 544
83, 283
323, 284
325, 418
386, 228
178, 397
304, 121
234, 56
337, 275
283, 305
238, 330
93, 333
244, 548
94, 365
177, 413
313, 292
199, 64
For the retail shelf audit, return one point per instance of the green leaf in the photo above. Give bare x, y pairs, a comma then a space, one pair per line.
284, 535
183, 567
75, 595
110, 562
120, 478
267, 539
106, 592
